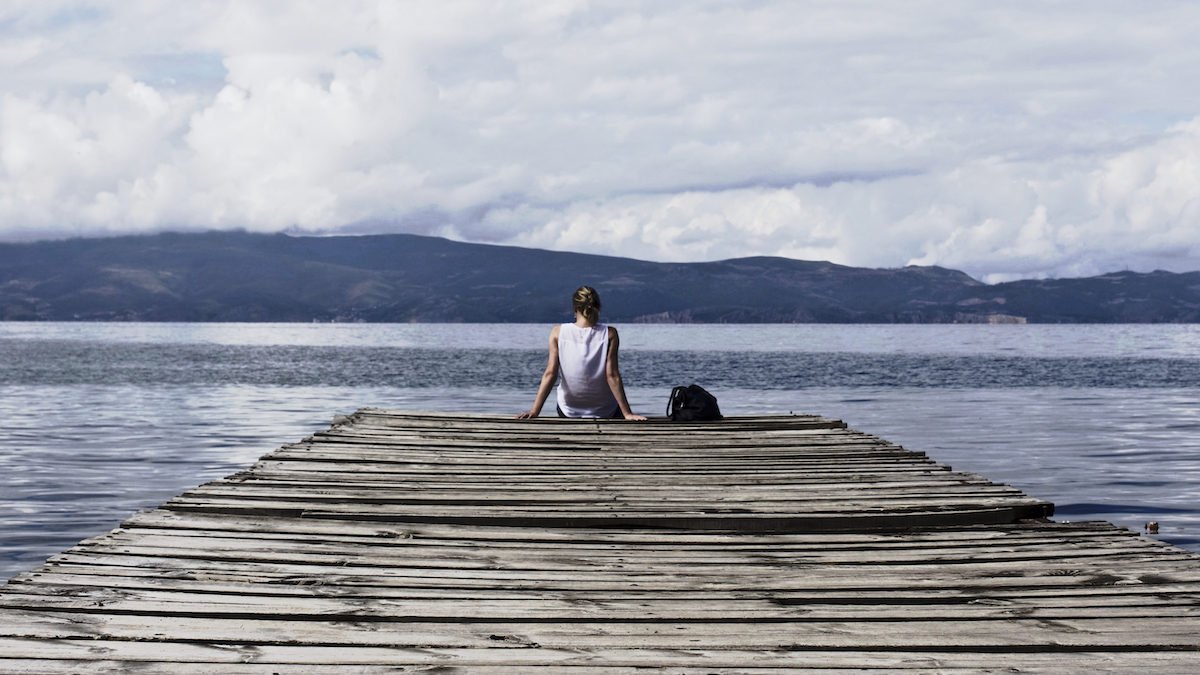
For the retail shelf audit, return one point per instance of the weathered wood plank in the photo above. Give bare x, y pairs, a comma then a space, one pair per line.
210, 541
516, 638
161, 518
666, 608
122, 657
979, 579
1075, 596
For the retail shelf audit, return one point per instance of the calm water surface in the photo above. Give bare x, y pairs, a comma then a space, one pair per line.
101, 420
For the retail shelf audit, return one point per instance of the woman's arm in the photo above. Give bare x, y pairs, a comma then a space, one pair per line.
549, 377
612, 371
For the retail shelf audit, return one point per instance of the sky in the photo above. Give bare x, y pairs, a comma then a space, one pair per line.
1006, 139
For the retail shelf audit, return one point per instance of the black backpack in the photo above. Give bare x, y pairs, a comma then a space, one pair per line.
692, 404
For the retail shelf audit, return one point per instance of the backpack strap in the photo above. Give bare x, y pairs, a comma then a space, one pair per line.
675, 401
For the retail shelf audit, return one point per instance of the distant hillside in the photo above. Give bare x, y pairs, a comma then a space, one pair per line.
406, 278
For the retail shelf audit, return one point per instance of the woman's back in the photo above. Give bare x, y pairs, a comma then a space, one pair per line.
583, 389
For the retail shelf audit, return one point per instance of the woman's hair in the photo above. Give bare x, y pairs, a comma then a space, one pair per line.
586, 301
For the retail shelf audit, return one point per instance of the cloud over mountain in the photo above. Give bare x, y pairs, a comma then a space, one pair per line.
1040, 140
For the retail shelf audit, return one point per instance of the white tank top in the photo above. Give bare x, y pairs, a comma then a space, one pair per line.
582, 386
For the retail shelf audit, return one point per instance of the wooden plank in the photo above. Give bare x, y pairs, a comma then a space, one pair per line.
1061, 534
1074, 596
1133, 576
173, 544
498, 660
768, 500
1012, 635
896, 552
161, 518
1145, 571
662, 607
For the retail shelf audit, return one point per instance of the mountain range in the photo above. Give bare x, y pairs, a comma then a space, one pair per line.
237, 276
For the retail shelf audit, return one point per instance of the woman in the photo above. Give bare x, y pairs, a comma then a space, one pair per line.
584, 353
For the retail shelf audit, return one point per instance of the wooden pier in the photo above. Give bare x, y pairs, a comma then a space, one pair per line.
432, 543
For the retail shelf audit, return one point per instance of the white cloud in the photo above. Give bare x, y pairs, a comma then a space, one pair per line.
1010, 142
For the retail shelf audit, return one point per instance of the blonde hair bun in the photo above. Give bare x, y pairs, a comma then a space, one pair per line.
586, 301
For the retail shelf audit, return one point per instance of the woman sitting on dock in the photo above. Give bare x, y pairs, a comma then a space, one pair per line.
584, 353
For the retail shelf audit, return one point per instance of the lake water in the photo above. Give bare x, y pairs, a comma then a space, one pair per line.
100, 420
